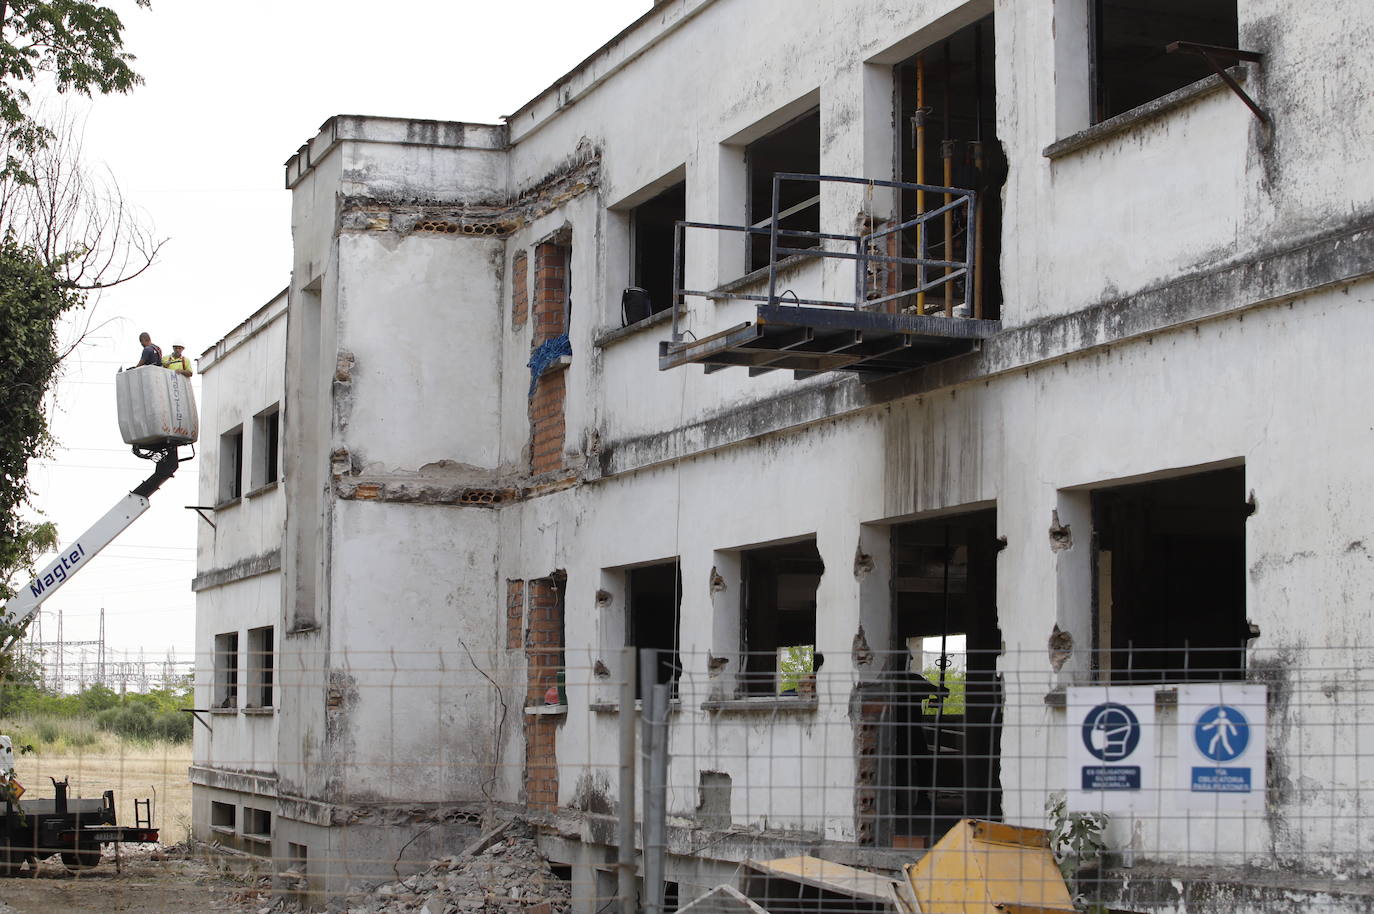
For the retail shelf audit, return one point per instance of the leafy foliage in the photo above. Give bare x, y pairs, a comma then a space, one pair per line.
58, 238
46, 718
794, 663
78, 44
31, 301
953, 701
1076, 839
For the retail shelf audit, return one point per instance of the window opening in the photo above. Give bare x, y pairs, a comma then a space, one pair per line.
941, 728
231, 465
1170, 565
780, 617
653, 229
947, 108
794, 148
227, 670
266, 441
298, 856
257, 823
655, 602
1130, 63
260, 667
222, 815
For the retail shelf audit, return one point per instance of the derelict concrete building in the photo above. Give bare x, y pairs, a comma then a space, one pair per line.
1115, 419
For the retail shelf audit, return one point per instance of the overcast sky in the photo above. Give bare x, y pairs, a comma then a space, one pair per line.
231, 91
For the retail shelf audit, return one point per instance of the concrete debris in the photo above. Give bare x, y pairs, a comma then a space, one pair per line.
501, 873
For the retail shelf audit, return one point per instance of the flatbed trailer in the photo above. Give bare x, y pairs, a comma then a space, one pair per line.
75, 828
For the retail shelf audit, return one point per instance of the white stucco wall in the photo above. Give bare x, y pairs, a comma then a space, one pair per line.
238, 586
422, 383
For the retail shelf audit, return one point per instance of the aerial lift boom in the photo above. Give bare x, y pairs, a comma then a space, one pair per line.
77, 554
157, 415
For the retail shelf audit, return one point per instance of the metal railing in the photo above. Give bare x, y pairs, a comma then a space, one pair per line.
868, 248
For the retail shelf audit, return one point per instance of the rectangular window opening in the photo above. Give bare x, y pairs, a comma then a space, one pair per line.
947, 122
1170, 566
226, 670
222, 815
257, 824
1130, 63
298, 859
653, 232
231, 465
655, 605
794, 148
266, 447
779, 623
260, 666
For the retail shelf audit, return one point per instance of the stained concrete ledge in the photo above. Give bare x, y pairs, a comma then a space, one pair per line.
1144, 114
1323, 261
241, 570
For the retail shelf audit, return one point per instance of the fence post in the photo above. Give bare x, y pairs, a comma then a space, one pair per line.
629, 903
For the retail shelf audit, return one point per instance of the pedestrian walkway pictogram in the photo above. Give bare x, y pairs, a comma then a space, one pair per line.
1221, 733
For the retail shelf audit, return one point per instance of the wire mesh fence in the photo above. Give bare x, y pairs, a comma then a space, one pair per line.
938, 778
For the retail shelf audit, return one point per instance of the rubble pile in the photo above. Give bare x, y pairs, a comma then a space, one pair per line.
501, 873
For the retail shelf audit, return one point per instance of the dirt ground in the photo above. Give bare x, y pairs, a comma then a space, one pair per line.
158, 773
157, 882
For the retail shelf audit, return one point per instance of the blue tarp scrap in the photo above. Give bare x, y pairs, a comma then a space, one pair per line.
548, 352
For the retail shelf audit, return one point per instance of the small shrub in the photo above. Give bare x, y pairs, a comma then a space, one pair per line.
51, 720
174, 727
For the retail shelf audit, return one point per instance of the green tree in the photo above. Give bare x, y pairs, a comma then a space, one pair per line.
32, 299
77, 45
60, 237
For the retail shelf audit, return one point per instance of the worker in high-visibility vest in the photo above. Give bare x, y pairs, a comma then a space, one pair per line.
177, 361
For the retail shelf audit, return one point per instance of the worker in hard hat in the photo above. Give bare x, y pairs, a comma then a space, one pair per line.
177, 361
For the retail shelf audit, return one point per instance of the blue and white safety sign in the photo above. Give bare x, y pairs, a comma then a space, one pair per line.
1112, 762
1221, 746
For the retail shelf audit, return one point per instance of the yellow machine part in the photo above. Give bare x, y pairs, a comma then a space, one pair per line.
989, 868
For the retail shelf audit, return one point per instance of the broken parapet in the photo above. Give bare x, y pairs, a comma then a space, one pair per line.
498, 217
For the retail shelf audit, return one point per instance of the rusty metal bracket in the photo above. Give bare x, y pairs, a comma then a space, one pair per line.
196, 712
201, 509
1220, 58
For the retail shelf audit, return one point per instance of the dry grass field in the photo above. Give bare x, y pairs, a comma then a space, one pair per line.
156, 770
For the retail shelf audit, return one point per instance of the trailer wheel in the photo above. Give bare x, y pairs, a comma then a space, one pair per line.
81, 859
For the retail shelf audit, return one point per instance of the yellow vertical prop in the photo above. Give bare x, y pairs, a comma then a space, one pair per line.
920, 171
948, 153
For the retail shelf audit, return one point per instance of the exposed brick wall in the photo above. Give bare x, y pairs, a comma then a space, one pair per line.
550, 291
541, 767
544, 658
543, 638
866, 758
547, 430
515, 615
519, 284
547, 426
